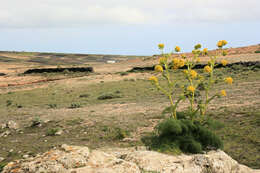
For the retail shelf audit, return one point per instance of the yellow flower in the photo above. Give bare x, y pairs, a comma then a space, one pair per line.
220, 44
205, 51
175, 67
158, 68
185, 71
177, 49
207, 69
223, 93
175, 61
197, 46
224, 62
224, 42
153, 79
162, 60
191, 89
229, 80
161, 46
198, 60
193, 74
181, 62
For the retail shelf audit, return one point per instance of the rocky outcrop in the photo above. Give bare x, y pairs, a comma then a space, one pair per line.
75, 159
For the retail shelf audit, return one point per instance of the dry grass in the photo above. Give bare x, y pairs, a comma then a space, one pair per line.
98, 123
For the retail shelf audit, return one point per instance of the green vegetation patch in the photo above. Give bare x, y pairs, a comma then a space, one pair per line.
175, 135
241, 134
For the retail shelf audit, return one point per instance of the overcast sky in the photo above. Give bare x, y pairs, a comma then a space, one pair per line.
126, 26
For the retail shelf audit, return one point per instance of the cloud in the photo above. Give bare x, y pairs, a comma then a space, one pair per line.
84, 13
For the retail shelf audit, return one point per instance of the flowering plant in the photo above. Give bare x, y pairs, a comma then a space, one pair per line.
194, 81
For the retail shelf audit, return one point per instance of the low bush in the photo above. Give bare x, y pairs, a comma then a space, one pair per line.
52, 106
108, 96
52, 131
36, 121
175, 135
75, 105
190, 132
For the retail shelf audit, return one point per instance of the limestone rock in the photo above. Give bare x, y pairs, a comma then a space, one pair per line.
12, 125
59, 132
5, 134
75, 159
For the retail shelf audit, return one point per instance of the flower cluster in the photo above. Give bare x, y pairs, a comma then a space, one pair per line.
221, 43
178, 63
161, 46
167, 65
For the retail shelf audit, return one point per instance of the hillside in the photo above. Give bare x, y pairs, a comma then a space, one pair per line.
112, 107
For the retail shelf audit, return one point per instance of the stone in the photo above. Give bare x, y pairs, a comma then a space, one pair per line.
5, 134
26, 156
3, 126
2, 159
59, 132
12, 125
76, 159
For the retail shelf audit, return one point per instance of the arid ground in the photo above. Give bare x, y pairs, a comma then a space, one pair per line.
112, 106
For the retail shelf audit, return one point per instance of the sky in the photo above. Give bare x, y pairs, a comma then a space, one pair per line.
126, 27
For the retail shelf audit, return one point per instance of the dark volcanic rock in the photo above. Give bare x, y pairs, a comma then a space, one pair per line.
58, 70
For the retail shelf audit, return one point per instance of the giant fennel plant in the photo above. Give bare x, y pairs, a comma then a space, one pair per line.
187, 131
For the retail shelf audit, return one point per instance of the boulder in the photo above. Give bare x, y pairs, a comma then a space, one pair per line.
76, 159
12, 125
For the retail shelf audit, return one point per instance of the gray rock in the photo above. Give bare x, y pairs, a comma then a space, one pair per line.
3, 126
77, 159
12, 125
26, 156
59, 132
5, 134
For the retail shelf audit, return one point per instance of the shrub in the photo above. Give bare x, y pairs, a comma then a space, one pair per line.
189, 131
257, 51
84, 95
52, 131
36, 121
120, 134
75, 105
124, 73
174, 135
52, 106
9, 103
108, 96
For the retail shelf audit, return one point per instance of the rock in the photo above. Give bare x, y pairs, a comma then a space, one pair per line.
76, 159
129, 140
5, 134
46, 121
12, 125
214, 161
26, 156
111, 62
2, 159
59, 132
3, 126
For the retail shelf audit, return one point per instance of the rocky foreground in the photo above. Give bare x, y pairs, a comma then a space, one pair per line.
76, 159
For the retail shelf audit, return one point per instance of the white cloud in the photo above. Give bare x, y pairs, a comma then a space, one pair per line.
81, 13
